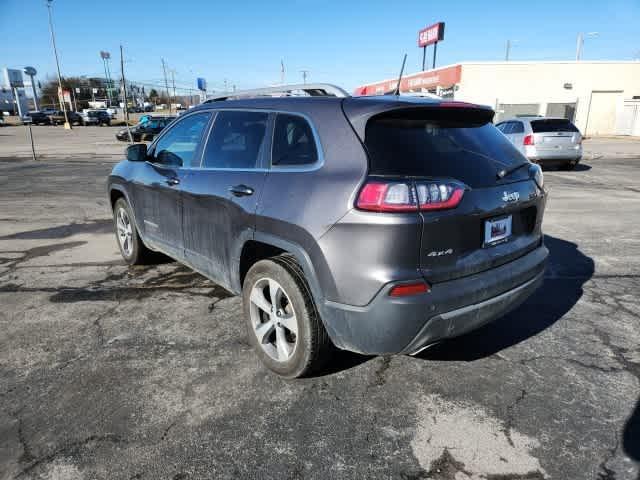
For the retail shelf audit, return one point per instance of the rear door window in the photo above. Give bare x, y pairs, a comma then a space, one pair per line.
293, 142
236, 140
439, 143
552, 125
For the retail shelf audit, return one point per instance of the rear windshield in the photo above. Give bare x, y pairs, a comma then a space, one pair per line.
553, 125
459, 144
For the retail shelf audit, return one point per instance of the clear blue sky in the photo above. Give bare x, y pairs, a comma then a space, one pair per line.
347, 43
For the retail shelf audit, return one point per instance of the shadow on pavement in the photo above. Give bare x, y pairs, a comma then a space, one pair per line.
631, 435
568, 269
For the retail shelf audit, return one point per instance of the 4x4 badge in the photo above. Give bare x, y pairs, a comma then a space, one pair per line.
510, 197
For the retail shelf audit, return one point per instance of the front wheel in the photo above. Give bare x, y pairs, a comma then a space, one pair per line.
131, 247
282, 322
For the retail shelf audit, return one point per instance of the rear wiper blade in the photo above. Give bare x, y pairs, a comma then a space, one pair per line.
508, 171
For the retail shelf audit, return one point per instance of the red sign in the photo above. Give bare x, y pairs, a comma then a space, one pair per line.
430, 35
441, 77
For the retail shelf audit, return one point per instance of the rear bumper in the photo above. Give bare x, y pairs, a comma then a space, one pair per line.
390, 325
558, 155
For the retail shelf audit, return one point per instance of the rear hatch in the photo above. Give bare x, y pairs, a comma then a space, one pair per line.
555, 134
478, 203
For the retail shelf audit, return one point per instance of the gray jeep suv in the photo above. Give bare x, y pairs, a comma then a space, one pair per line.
379, 225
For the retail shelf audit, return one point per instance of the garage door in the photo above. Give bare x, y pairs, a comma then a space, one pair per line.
602, 113
510, 110
562, 110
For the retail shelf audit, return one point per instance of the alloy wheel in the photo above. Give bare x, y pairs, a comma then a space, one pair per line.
125, 232
273, 319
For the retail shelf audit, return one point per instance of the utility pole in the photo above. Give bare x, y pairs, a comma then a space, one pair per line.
67, 125
304, 75
124, 94
508, 50
166, 83
282, 72
173, 82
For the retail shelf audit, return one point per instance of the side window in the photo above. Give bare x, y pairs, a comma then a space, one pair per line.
517, 127
506, 127
178, 146
236, 140
500, 126
293, 142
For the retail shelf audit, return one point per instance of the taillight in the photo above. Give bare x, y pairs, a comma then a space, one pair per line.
379, 196
528, 139
407, 289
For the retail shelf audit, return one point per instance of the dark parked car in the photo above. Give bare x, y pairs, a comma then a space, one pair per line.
58, 118
145, 131
38, 118
380, 225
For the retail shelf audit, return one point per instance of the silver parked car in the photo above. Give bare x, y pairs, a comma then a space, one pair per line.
544, 140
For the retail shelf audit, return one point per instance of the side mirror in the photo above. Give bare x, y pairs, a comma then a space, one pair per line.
137, 152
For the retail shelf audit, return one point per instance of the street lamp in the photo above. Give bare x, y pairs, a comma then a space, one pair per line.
105, 59
507, 53
580, 43
67, 125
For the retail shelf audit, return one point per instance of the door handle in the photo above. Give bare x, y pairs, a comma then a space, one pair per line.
172, 181
241, 190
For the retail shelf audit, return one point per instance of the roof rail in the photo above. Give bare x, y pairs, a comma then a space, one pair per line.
311, 89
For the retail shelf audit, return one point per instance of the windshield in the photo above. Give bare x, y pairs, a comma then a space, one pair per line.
439, 146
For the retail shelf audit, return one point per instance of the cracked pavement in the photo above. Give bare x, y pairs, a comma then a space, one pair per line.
109, 372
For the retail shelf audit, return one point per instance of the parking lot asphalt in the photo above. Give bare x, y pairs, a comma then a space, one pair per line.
109, 372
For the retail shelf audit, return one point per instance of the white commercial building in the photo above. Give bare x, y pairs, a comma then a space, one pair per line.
601, 98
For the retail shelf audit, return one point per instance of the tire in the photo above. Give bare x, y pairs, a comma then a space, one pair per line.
134, 252
569, 165
289, 354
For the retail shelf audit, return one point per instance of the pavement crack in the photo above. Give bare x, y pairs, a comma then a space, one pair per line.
511, 416
604, 472
380, 377
27, 455
69, 450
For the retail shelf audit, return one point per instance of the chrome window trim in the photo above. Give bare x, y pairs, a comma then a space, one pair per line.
319, 163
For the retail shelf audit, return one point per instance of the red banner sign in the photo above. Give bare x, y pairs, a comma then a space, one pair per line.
442, 77
431, 34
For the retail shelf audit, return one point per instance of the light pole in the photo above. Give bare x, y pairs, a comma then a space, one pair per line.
580, 43
507, 53
106, 56
67, 125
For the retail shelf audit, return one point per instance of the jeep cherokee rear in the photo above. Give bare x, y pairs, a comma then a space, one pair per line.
379, 225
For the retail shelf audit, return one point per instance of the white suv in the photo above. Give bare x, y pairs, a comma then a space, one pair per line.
544, 140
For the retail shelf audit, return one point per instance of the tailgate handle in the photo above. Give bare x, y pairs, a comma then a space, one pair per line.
241, 190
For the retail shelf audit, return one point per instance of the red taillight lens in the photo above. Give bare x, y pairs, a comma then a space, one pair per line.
409, 289
378, 196
439, 196
387, 197
528, 140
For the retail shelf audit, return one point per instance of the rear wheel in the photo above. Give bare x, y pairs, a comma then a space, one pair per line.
282, 322
131, 247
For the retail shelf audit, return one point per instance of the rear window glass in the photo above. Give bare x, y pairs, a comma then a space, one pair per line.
459, 144
555, 125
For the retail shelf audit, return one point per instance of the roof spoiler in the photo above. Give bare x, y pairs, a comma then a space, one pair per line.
310, 89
